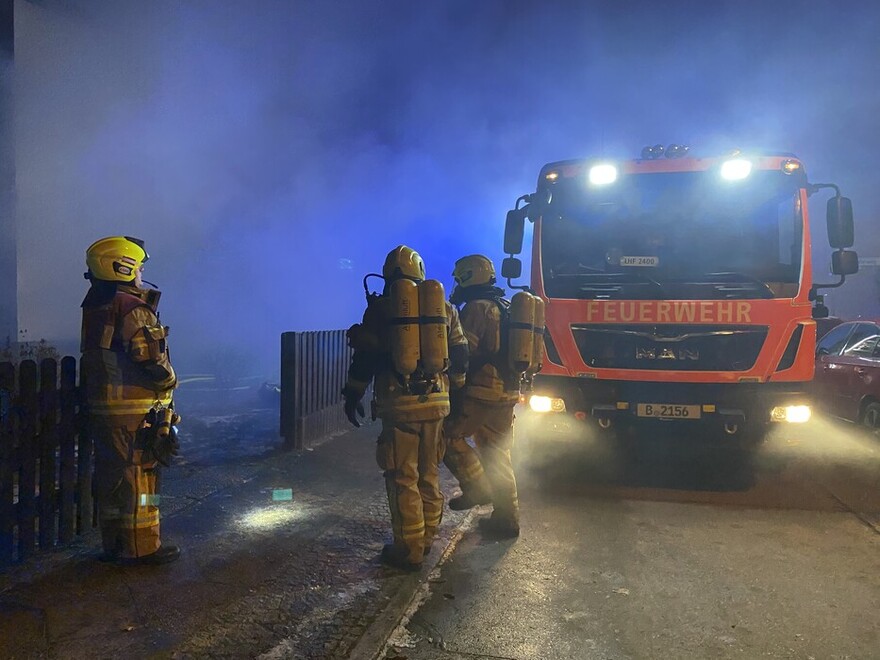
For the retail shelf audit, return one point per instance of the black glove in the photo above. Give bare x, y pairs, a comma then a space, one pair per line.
165, 447
353, 405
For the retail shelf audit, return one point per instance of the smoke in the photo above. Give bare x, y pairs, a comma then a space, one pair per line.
823, 465
271, 153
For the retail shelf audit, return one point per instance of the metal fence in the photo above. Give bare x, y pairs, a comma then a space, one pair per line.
45, 461
313, 372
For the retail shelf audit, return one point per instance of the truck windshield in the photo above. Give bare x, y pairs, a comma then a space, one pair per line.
682, 235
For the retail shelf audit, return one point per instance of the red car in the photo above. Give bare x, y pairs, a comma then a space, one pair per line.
847, 378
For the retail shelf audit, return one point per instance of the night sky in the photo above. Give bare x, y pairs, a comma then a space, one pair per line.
272, 153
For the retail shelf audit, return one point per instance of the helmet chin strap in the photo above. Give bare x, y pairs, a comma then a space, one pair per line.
149, 284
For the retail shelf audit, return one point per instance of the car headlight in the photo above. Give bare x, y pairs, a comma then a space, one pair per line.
543, 404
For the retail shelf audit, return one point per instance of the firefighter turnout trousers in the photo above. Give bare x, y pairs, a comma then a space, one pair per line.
490, 424
126, 487
409, 454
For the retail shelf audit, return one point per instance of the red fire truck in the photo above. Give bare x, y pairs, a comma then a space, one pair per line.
677, 288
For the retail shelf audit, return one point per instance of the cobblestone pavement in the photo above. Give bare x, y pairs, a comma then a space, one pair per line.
280, 560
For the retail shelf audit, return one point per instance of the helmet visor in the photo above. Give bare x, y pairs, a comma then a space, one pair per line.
140, 243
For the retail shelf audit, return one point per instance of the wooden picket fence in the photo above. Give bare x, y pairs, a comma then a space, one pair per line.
314, 366
45, 459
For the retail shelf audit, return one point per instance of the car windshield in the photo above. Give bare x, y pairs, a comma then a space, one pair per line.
683, 235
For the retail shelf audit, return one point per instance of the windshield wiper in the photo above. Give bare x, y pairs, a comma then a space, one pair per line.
733, 277
615, 281
574, 270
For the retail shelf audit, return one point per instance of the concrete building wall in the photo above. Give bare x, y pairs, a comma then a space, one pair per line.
8, 228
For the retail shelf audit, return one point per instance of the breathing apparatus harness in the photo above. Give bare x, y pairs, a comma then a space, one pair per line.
462, 295
521, 345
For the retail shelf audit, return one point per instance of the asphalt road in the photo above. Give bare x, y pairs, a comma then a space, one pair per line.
670, 545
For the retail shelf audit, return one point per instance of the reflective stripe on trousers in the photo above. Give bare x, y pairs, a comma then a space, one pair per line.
464, 463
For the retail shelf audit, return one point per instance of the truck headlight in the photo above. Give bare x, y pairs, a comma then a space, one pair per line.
735, 169
791, 414
543, 404
601, 175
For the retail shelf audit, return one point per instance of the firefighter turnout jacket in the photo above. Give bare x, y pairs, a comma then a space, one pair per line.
125, 352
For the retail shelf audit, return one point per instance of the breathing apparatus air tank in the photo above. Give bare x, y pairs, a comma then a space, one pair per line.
404, 327
538, 338
520, 333
432, 328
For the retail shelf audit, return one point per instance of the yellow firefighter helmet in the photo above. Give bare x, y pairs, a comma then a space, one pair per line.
116, 258
473, 270
403, 261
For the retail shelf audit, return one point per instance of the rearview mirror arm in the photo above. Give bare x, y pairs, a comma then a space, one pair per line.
816, 187
826, 286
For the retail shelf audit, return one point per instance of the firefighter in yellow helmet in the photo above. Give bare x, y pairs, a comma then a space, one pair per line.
410, 405
128, 381
485, 409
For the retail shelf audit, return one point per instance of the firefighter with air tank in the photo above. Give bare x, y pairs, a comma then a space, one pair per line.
410, 345
505, 341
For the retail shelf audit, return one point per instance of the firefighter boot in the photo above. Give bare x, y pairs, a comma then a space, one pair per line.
164, 555
475, 488
499, 527
396, 556
470, 497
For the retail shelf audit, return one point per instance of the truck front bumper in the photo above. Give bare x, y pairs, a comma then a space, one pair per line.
608, 403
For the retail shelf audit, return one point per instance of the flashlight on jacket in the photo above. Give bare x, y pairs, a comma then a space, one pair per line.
164, 423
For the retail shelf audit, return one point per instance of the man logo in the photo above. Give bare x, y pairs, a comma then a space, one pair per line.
644, 353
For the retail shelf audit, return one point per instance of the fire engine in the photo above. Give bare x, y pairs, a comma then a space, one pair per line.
677, 288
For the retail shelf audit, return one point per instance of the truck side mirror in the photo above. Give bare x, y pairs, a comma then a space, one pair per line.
844, 262
511, 268
839, 218
514, 230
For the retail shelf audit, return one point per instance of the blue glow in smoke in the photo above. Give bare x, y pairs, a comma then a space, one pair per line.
259, 146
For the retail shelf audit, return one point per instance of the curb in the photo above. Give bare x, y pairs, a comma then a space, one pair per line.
374, 642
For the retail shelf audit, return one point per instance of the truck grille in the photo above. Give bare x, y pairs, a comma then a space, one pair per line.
670, 347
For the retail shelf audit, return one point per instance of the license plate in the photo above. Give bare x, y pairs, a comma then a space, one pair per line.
667, 411
640, 261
